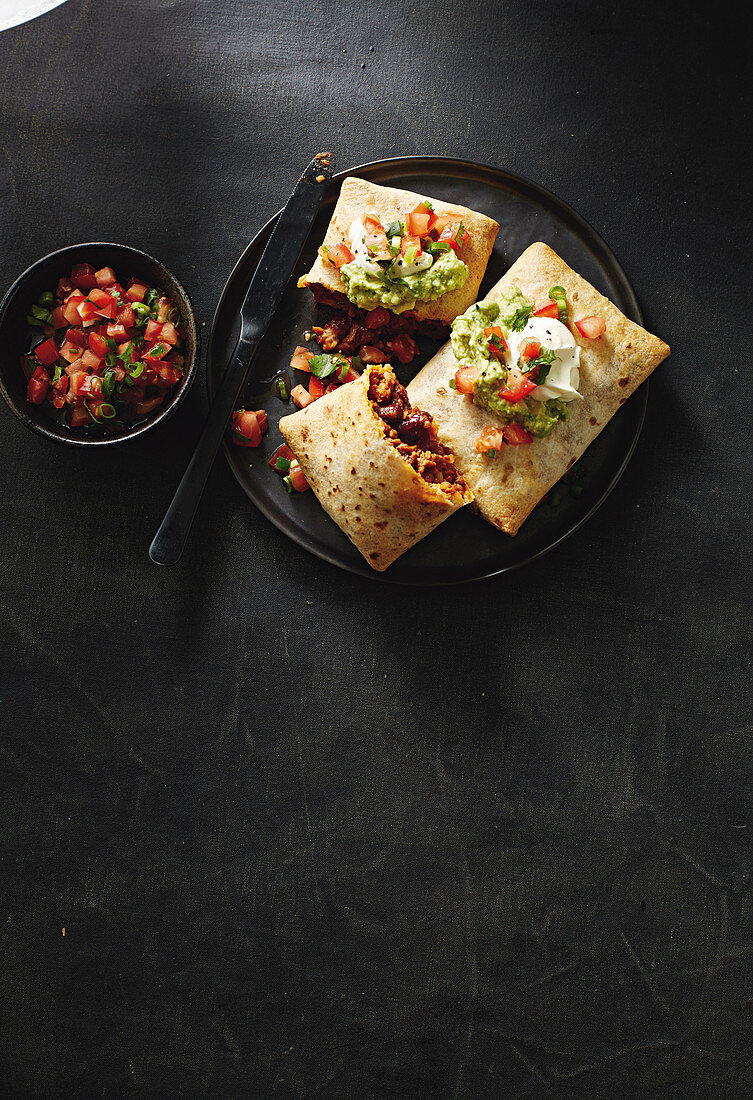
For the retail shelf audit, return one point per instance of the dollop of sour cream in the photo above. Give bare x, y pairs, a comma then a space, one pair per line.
399, 268
564, 374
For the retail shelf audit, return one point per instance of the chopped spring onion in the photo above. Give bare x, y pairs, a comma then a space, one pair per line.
136, 370
108, 383
288, 484
141, 311
282, 389
558, 294
105, 411
282, 465
111, 359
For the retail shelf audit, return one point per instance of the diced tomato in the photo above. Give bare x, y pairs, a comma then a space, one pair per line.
169, 333
167, 375
261, 416
422, 220
39, 384
77, 382
97, 344
147, 405
591, 327
87, 311
152, 331
300, 360
297, 477
465, 379
83, 276
60, 389
517, 386
126, 317
164, 306
136, 291
340, 255
450, 234
491, 439
91, 386
65, 286
157, 351
497, 343
372, 224
549, 309
442, 221
377, 318
120, 373
79, 416
283, 452
91, 361
117, 332
59, 320
47, 353
316, 387
70, 351
105, 276
301, 396
515, 434
246, 429
78, 337
531, 349
410, 241
70, 310
106, 306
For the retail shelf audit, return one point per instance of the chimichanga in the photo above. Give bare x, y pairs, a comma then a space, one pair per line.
551, 393
375, 465
416, 254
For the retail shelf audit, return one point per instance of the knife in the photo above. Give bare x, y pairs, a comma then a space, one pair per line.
262, 299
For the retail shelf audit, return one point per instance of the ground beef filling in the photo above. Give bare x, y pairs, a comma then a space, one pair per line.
377, 335
412, 433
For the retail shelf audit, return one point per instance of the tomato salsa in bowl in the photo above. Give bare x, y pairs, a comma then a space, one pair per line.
98, 344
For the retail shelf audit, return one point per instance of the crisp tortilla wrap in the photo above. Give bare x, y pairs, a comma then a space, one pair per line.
381, 503
508, 487
359, 196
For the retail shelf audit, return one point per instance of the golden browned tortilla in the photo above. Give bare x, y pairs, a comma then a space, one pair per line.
359, 197
509, 486
381, 503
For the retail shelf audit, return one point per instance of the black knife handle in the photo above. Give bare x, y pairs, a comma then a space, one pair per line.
169, 542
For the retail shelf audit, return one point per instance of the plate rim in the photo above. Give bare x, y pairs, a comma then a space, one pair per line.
604, 254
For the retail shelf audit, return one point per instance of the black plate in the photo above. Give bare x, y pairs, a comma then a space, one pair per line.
464, 548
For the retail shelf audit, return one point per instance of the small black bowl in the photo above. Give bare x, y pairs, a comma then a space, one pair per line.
14, 334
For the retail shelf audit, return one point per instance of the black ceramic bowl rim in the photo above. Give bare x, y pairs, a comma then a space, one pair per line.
52, 431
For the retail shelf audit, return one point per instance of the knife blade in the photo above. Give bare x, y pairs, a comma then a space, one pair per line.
262, 299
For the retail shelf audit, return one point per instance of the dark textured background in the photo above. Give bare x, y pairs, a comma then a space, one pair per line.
314, 837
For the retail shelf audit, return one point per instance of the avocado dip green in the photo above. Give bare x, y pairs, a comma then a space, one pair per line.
368, 291
471, 349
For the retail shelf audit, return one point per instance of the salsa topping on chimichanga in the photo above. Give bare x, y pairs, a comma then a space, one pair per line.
520, 361
412, 259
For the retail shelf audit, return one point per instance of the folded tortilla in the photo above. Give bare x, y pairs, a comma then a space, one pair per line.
359, 197
381, 503
508, 487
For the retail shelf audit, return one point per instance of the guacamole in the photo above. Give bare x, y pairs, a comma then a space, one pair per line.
368, 291
471, 349
539, 417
